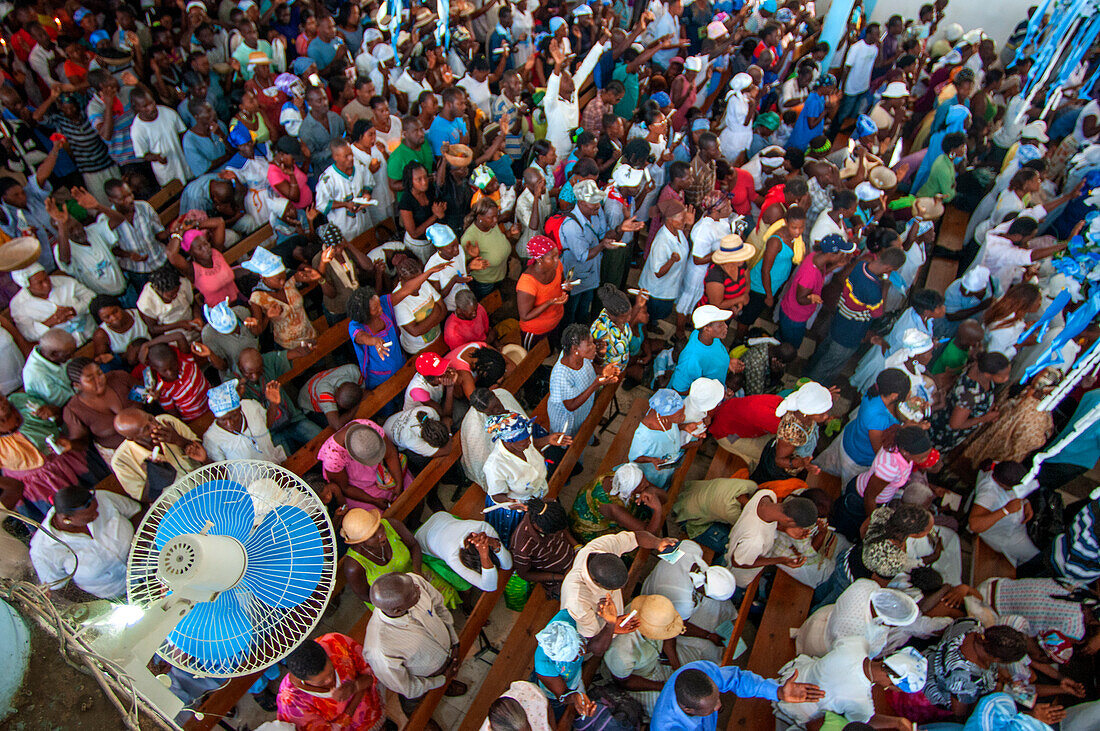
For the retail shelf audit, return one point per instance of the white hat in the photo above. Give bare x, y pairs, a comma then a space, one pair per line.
370, 35
895, 608
705, 394
916, 341
740, 81
1036, 130
953, 32
973, 37
626, 176
719, 583
382, 52
626, 480
811, 398
707, 314
909, 669
976, 279
717, 29
580, 10
867, 192
895, 90
693, 63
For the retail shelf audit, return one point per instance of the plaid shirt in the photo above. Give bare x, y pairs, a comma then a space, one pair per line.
703, 177
513, 143
140, 236
592, 119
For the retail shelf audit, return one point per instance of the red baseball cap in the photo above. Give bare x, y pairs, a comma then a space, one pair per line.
430, 364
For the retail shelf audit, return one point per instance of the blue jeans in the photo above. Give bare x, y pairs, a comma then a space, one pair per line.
829, 358
790, 331
483, 289
850, 107
295, 434
578, 307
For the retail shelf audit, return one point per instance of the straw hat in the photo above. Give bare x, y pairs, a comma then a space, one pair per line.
883, 178
364, 444
928, 209
459, 156
657, 617
359, 525
733, 249
513, 352
19, 253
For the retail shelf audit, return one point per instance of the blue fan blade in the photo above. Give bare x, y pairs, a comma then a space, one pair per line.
216, 633
224, 503
285, 558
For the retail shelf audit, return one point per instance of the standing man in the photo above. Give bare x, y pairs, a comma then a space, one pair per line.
855, 79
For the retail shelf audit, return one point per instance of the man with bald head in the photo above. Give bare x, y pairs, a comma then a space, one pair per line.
410, 642
176, 446
291, 428
44, 372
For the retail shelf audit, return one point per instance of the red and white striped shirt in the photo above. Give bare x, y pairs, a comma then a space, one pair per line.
187, 394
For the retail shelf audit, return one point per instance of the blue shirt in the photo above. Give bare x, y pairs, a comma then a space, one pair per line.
570, 672
664, 445
668, 716
443, 131
566, 384
873, 415
374, 367
700, 361
323, 53
578, 234
201, 152
813, 107
1084, 450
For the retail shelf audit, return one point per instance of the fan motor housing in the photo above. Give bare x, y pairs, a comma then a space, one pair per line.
200, 566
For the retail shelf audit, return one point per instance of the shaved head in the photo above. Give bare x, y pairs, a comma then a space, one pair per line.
394, 594
132, 424
57, 346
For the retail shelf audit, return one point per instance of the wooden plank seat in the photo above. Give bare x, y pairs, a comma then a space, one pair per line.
166, 195
986, 563
169, 214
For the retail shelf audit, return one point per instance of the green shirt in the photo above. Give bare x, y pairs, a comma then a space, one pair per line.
404, 154
276, 364
941, 179
34, 428
952, 358
494, 247
626, 106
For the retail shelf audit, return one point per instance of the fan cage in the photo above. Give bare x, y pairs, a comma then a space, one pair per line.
275, 631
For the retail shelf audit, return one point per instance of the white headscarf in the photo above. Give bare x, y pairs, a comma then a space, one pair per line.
22, 277
811, 399
626, 480
705, 394
560, 641
717, 582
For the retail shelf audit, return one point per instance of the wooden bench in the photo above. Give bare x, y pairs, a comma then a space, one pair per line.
169, 214
941, 272
985, 563
245, 246
517, 655
166, 195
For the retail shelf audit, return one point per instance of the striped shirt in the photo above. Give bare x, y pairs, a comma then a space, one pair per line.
187, 394
85, 145
534, 552
140, 235
1076, 553
120, 146
321, 389
890, 466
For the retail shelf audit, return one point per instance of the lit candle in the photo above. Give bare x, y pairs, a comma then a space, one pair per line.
58, 21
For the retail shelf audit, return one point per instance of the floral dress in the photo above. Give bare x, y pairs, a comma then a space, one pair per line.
309, 712
291, 326
375, 480
621, 342
968, 394
587, 523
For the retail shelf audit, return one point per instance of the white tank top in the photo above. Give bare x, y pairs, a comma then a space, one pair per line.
120, 341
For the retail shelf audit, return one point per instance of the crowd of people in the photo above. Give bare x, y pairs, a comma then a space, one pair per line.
700, 205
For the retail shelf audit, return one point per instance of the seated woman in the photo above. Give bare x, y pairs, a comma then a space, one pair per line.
167, 303
466, 553
657, 442
418, 432
515, 470
329, 685
620, 341
122, 335
634, 658
522, 706
363, 465
420, 313
91, 535
478, 365
792, 451
999, 517
205, 266
98, 398
540, 294
851, 453
32, 469
622, 500
378, 546
558, 662
969, 403
469, 323
45, 301
340, 266
276, 300
573, 381
476, 441
542, 546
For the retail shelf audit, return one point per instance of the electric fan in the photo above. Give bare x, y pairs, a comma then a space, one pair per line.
229, 571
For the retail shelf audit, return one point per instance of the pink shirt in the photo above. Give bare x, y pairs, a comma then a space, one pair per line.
216, 284
887, 465
275, 175
457, 332
810, 277
371, 479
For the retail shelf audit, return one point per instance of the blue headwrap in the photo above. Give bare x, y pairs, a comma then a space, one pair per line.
865, 126
221, 317
508, 427
663, 100
224, 398
240, 135
264, 263
555, 24
666, 402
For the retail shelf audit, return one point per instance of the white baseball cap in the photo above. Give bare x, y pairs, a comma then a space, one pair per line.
707, 314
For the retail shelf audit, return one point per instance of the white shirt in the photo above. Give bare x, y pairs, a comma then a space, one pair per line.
841, 675
563, 115
11, 363
476, 444
252, 442
456, 267
101, 557
413, 308
665, 244
30, 312
162, 136
514, 478
150, 304
443, 535
410, 87
336, 185
1004, 259
673, 580
478, 91
860, 62
825, 225
750, 539
403, 429
41, 61
93, 264
1008, 536
1092, 109
525, 204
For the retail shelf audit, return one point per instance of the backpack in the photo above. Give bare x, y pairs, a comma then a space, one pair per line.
552, 227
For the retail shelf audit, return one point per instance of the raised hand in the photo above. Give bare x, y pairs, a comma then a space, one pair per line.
792, 692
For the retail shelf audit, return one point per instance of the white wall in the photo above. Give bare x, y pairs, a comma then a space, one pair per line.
996, 17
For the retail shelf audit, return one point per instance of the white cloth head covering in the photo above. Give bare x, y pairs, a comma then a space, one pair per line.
909, 668
740, 82
717, 582
704, 395
560, 641
894, 608
976, 279
626, 480
812, 398
867, 192
22, 277
916, 341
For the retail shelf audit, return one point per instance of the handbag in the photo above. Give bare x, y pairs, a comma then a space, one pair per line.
158, 477
1048, 520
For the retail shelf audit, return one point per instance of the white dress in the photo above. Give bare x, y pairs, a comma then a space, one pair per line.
162, 136
443, 535
253, 175
706, 236
737, 135
30, 312
516, 479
